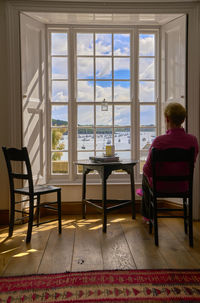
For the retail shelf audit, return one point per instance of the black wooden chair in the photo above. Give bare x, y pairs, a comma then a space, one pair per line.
17, 160
172, 178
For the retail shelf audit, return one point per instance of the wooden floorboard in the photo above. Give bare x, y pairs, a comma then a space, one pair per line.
83, 246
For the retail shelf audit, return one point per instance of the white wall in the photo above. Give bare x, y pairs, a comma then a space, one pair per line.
4, 112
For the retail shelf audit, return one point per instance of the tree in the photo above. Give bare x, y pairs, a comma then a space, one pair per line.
57, 134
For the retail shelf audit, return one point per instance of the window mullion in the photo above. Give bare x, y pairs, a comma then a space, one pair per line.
72, 105
136, 108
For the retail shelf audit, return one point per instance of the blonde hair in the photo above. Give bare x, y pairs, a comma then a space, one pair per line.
175, 112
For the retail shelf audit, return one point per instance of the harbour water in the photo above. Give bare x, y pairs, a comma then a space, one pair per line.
122, 142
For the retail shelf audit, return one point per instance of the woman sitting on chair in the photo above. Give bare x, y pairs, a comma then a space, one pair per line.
175, 137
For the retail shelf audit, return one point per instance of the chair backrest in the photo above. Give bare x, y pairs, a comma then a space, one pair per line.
172, 170
21, 157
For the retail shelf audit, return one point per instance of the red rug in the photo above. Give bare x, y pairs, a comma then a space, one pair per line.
103, 286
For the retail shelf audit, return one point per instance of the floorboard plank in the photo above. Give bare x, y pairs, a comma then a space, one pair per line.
27, 258
115, 250
177, 228
58, 254
173, 250
87, 248
145, 254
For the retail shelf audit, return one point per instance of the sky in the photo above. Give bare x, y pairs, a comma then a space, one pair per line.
100, 68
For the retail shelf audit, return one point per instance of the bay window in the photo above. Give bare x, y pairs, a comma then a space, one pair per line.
103, 89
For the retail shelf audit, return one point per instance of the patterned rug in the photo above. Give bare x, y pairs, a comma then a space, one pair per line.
103, 286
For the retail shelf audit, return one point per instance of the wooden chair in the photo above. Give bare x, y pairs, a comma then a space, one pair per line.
165, 175
13, 155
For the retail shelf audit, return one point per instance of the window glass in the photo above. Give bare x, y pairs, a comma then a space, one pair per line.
84, 45
101, 94
147, 45
103, 44
59, 45
121, 44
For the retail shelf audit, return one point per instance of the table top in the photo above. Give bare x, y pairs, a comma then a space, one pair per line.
120, 162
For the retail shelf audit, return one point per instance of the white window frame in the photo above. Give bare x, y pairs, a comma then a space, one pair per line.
134, 31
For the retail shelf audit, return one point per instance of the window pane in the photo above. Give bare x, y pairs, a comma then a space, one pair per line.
103, 117
59, 138
103, 90
59, 91
85, 68
122, 68
143, 157
59, 162
85, 44
85, 115
122, 91
103, 44
85, 139
85, 91
122, 139
103, 138
124, 155
147, 135
121, 44
147, 115
147, 91
122, 115
146, 68
59, 68
59, 44
83, 156
103, 68
146, 45
59, 115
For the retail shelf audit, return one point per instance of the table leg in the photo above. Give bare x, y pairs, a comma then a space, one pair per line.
132, 193
83, 194
104, 202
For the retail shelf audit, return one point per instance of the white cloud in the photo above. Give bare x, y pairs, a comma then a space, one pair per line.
146, 68
60, 112
123, 51
103, 117
103, 93
85, 91
103, 67
122, 115
59, 90
85, 44
86, 115
103, 44
146, 92
85, 68
146, 46
59, 43
121, 93
122, 63
59, 68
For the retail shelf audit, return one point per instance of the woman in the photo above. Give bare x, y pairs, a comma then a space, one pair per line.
175, 137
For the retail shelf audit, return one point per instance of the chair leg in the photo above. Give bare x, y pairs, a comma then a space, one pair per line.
30, 221
59, 211
190, 223
155, 221
12, 216
150, 217
185, 214
38, 210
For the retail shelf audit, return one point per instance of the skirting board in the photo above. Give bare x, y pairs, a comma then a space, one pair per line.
74, 208
4, 216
